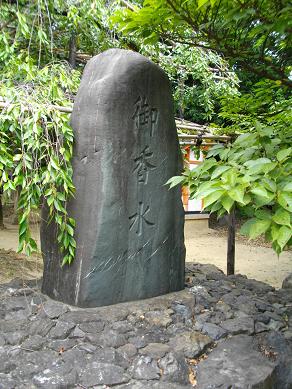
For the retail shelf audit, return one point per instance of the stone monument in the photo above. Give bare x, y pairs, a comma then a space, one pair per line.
129, 225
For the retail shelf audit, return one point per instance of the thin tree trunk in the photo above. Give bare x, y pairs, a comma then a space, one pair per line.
231, 243
15, 207
72, 50
1, 214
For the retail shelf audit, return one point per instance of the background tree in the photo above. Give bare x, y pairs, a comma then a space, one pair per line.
43, 46
254, 37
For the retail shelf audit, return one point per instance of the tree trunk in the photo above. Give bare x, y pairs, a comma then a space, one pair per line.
72, 50
1, 214
15, 207
231, 243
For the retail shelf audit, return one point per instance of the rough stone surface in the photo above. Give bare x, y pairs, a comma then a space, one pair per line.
235, 363
102, 374
192, 343
287, 283
167, 342
129, 229
174, 368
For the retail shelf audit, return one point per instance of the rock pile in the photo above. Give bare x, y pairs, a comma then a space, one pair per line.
220, 332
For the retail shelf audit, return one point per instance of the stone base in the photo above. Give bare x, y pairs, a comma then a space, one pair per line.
219, 332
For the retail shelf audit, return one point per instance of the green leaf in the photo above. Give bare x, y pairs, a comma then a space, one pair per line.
201, 3
218, 171
259, 191
237, 194
284, 235
269, 184
211, 198
227, 203
174, 181
70, 230
283, 154
285, 199
288, 187
282, 217
263, 214
255, 227
260, 165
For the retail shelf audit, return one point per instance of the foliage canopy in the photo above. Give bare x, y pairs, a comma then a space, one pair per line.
254, 172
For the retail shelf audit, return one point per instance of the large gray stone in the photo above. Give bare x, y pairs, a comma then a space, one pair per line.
129, 229
97, 373
235, 364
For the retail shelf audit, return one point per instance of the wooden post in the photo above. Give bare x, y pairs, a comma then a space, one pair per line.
72, 50
1, 214
231, 243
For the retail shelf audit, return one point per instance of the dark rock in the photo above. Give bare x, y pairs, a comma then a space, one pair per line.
234, 363
262, 306
201, 319
33, 343
263, 318
207, 269
182, 311
96, 373
260, 327
145, 368
92, 327
276, 347
30, 364
125, 98
62, 345
53, 309
202, 296
87, 347
275, 325
75, 358
143, 337
83, 316
122, 327
14, 338
41, 327
13, 325
240, 325
273, 316
128, 350
174, 368
111, 356
111, 338
6, 364
77, 333
153, 385
7, 382
137, 341
214, 331
287, 282
159, 318
62, 376
61, 330
192, 344
155, 350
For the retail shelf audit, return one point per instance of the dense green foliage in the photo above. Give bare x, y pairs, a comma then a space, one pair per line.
199, 79
254, 35
254, 172
40, 44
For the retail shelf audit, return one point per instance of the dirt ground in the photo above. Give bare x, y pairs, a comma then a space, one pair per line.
251, 258
203, 245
